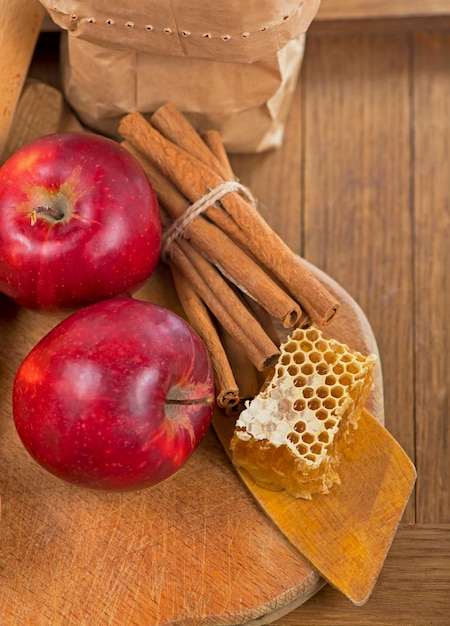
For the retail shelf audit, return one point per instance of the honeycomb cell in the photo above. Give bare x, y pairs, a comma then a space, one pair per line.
322, 415
292, 370
322, 392
308, 438
329, 404
299, 405
293, 438
345, 380
302, 449
337, 391
330, 357
315, 357
284, 405
312, 334
322, 369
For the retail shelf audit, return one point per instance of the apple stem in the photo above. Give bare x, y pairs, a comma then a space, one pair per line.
49, 211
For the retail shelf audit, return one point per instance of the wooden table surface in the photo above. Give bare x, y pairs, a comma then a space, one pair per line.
361, 189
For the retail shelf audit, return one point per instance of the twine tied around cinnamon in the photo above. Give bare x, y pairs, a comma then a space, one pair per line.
179, 226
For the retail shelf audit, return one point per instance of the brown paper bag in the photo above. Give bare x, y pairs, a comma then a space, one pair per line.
232, 65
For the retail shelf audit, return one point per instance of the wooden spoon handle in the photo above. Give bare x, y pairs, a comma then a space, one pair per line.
20, 24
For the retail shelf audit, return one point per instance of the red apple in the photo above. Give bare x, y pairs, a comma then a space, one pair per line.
116, 397
79, 222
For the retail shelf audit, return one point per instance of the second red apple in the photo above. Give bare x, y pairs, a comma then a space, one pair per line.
117, 396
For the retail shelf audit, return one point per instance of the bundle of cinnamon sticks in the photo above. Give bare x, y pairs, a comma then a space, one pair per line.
235, 277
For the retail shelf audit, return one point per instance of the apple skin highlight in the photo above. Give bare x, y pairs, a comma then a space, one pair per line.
79, 222
116, 397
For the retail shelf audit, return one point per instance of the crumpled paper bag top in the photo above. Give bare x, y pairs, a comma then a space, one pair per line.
240, 31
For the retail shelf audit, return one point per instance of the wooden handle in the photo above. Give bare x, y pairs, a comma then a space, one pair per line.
20, 23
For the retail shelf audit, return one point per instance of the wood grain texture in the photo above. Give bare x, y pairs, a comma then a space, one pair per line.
431, 168
412, 589
357, 194
354, 9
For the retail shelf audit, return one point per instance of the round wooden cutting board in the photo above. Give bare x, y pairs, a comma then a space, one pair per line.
193, 551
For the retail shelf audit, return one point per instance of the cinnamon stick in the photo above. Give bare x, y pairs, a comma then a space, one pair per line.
241, 221
276, 255
321, 305
264, 318
224, 305
236, 378
228, 257
214, 142
171, 123
166, 191
187, 173
227, 390
244, 371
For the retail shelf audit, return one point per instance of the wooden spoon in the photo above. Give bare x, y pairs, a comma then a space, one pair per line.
346, 534
20, 23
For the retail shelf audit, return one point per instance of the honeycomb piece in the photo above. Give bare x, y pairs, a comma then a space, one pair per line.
289, 436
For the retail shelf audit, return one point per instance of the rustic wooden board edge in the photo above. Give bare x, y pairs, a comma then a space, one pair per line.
288, 607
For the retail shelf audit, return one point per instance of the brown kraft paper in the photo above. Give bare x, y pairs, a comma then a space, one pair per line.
232, 65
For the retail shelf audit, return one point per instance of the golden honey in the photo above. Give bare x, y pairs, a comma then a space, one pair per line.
288, 436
